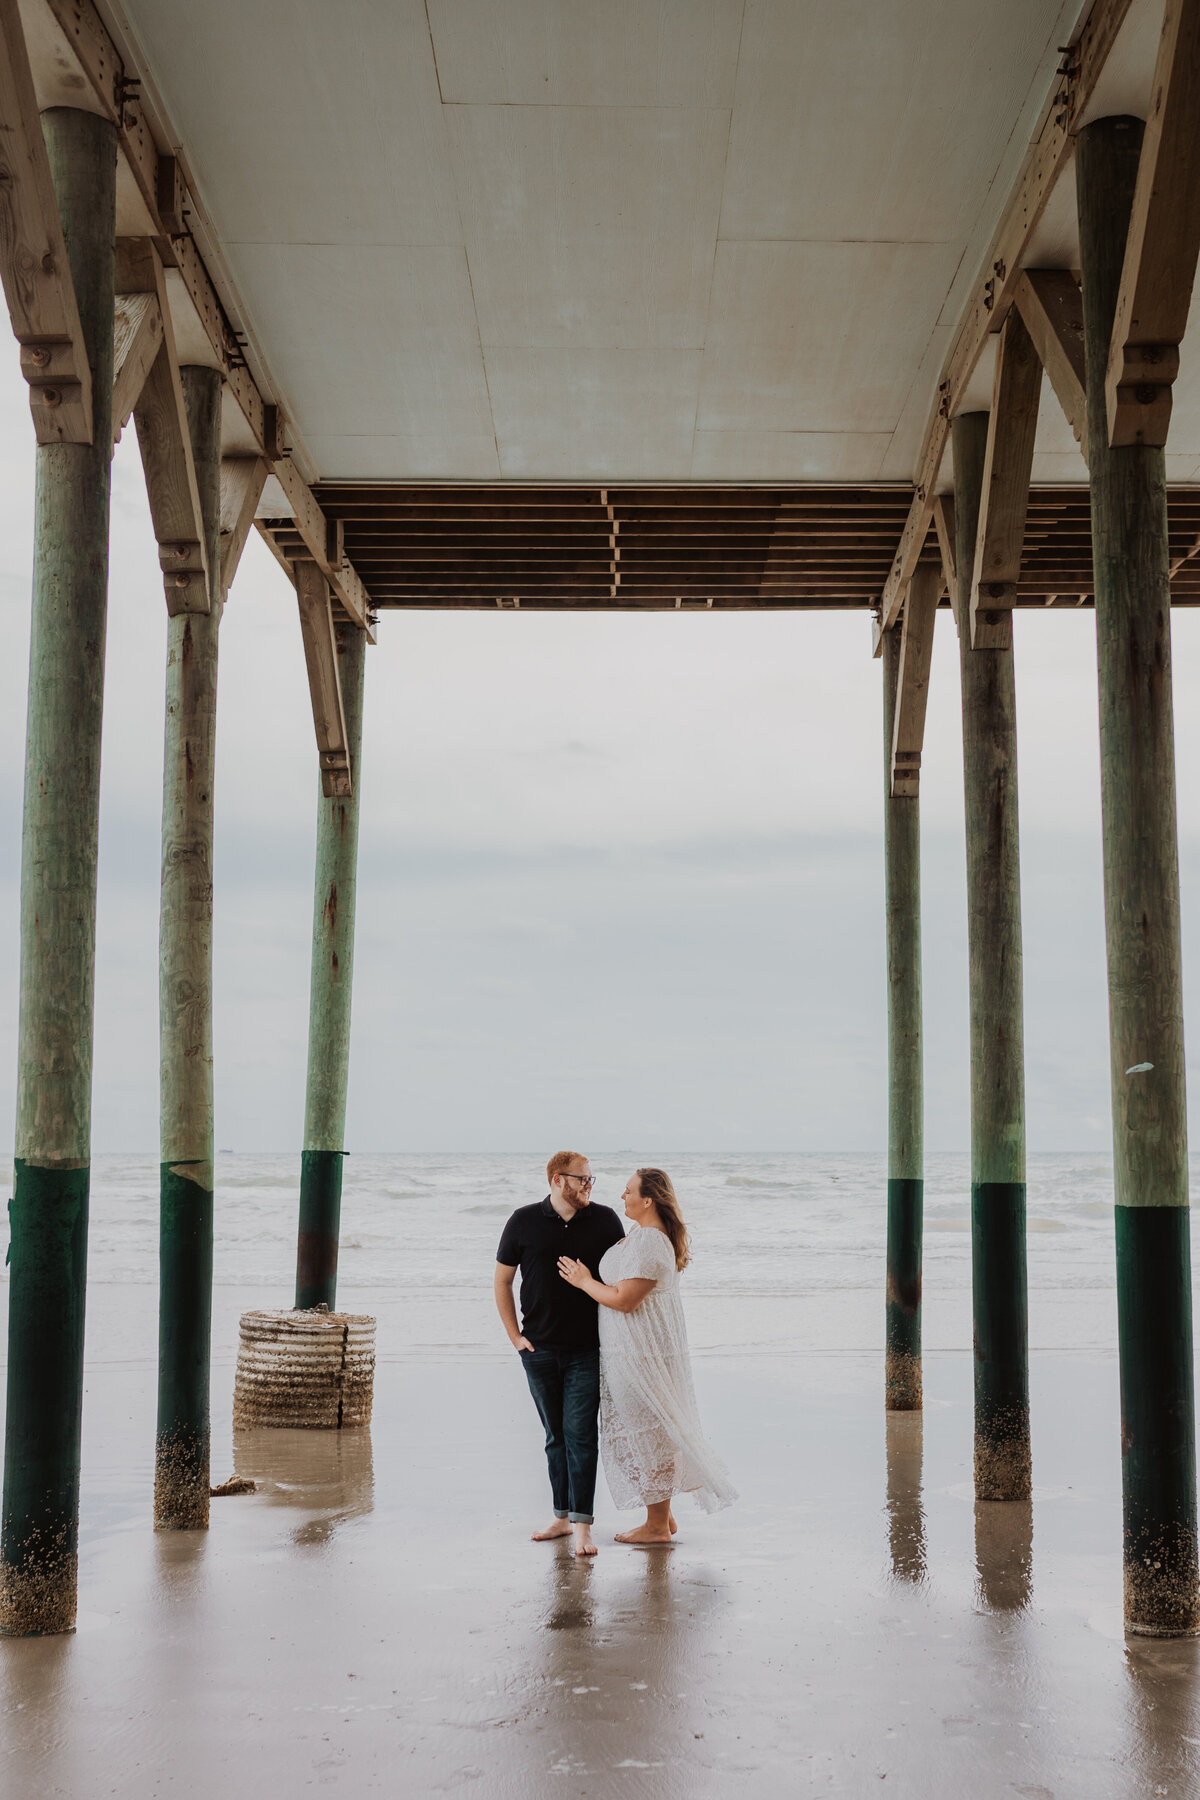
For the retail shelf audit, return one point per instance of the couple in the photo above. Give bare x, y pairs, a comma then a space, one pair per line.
615, 1346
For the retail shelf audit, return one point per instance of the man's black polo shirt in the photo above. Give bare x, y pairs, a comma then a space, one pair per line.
555, 1315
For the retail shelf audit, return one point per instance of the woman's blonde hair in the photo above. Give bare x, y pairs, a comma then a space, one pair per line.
655, 1185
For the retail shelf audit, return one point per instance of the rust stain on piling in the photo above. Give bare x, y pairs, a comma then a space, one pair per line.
329, 911
904, 1294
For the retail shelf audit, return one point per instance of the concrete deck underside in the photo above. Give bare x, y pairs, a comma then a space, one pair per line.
373, 1620
711, 241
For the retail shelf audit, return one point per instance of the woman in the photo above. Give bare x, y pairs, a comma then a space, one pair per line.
651, 1438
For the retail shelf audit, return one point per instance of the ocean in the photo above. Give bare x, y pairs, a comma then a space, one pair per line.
788, 1248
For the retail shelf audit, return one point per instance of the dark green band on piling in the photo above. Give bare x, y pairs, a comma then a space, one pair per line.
905, 1212
184, 1339
1003, 1469
48, 1213
320, 1221
1158, 1431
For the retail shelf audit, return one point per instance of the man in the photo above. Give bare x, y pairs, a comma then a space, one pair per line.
558, 1338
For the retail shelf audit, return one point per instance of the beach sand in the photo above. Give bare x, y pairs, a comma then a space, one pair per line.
375, 1620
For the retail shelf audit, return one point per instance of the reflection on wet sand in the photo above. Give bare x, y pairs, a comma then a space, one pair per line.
1164, 1714
906, 1511
328, 1473
1004, 1554
620, 1646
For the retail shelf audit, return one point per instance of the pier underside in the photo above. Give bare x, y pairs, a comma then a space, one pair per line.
827, 548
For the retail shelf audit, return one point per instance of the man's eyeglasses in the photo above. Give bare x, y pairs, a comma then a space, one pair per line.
586, 1181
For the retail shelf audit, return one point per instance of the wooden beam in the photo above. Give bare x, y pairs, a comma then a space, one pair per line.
160, 415
943, 521
137, 334
102, 68
992, 293
33, 256
1050, 303
313, 527
165, 193
282, 556
324, 681
912, 687
1012, 427
221, 335
242, 480
1163, 244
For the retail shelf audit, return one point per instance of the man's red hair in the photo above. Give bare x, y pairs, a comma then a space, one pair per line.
560, 1163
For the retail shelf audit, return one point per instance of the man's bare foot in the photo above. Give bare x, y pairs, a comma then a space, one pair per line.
644, 1534
560, 1528
583, 1546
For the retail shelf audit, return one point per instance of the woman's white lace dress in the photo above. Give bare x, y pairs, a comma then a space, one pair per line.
651, 1438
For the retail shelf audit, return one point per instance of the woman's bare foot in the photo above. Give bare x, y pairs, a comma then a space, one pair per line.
645, 1534
672, 1524
560, 1528
584, 1545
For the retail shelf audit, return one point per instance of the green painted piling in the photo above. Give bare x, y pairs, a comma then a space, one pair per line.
330, 997
1003, 1469
181, 1473
906, 1186
49, 1206
1141, 906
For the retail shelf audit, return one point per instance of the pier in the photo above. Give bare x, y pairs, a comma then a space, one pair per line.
495, 306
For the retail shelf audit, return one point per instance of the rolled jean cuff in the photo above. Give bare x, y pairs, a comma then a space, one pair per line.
581, 1518
559, 1515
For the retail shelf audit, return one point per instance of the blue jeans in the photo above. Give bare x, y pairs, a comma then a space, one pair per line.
565, 1385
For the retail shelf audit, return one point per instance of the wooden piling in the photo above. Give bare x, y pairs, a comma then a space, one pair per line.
1141, 906
998, 1274
905, 1183
49, 1206
181, 1477
329, 1004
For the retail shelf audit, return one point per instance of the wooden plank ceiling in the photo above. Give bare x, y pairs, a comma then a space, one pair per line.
664, 547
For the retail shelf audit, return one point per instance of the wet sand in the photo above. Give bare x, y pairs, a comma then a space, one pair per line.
374, 1620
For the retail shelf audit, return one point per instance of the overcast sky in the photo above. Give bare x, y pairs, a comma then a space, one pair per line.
620, 877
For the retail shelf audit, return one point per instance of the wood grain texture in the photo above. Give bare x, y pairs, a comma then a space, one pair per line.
943, 523
1159, 265
1142, 931
34, 265
1051, 305
1008, 464
324, 684
912, 687
137, 335
242, 481
313, 528
993, 863
998, 1273
333, 914
906, 1104
992, 293
1137, 756
181, 1486
49, 1207
165, 441
105, 72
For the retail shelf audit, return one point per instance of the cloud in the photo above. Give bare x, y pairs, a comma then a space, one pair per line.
621, 876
